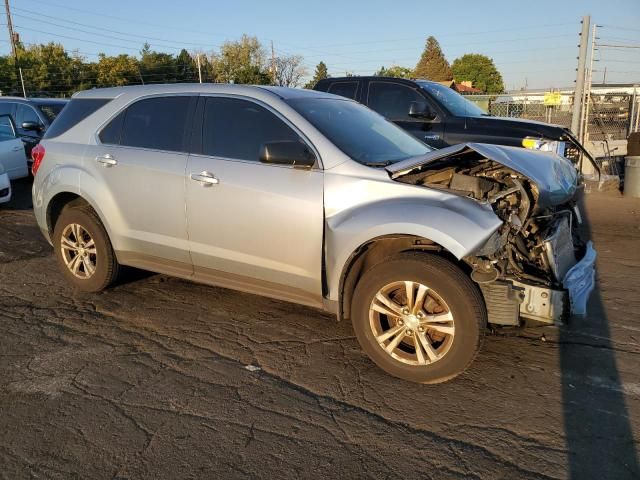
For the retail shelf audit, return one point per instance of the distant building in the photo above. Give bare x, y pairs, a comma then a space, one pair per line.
465, 87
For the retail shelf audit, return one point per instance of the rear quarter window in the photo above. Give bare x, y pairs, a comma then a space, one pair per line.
344, 89
73, 113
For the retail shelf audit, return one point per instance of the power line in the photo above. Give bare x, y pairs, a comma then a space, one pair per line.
144, 37
101, 35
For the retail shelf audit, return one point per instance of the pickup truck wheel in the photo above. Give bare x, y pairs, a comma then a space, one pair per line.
419, 317
83, 250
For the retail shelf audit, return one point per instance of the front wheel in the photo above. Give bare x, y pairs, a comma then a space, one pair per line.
419, 317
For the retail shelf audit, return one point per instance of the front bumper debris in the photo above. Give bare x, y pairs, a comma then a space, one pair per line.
580, 281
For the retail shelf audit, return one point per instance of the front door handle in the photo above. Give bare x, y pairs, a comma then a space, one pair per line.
106, 160
206, 179
17, 149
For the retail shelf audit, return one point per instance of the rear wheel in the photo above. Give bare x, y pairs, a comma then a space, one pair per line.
83, 249
418, 317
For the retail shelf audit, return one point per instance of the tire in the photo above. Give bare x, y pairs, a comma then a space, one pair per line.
451, 293
99, 254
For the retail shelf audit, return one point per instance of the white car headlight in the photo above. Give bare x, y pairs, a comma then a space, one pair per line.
544, 145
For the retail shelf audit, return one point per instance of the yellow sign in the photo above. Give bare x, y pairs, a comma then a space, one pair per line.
552, 98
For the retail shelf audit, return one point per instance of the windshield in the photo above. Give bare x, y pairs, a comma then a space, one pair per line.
359, 132
51, 110
452, 100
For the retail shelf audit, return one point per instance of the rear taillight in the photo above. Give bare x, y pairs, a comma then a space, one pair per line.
37, 155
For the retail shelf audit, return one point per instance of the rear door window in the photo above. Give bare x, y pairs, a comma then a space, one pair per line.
392, 100
236, 129
344, 89
73, 113
156, 123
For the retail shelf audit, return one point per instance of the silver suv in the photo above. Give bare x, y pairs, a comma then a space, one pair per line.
315, 199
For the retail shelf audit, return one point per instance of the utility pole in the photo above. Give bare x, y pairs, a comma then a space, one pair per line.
273, 64
578, 95
14, 51
12, 38
199, 70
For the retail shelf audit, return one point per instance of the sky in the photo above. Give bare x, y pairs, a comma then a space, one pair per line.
533, 43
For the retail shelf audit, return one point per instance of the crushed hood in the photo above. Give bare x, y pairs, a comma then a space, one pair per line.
555, 176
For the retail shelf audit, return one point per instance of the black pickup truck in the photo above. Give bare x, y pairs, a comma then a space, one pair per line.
440, 117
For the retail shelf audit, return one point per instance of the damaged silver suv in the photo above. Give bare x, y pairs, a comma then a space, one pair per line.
315, 199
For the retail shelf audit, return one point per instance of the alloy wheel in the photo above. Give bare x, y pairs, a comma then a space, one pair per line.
78, 251
411, 323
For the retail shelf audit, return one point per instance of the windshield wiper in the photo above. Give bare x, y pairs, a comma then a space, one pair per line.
378, 164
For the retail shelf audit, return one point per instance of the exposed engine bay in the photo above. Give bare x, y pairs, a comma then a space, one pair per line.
521, 269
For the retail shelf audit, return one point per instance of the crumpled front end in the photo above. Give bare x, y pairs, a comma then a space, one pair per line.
536, 266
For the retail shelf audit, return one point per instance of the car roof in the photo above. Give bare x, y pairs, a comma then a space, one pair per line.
140, 90
375, 77
36, 100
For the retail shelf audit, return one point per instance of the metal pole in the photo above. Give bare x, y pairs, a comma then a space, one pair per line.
273, 64
24, 91
585, 130
199, 71
582, 61
632, 110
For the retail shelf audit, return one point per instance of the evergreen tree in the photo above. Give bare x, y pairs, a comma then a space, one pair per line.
432, 64
320, 74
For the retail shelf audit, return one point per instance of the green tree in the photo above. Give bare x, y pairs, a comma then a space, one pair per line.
394, 71
242, 61
157, 67
480, 70
117, 71
320, 74
47, 69
186, 67
432, 64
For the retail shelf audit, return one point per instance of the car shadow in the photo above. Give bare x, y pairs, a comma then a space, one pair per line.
599, 436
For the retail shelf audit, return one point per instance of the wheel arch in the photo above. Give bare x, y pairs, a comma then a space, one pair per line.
374, 251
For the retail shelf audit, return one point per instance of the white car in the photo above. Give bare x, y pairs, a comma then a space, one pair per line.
5, 186
12, 153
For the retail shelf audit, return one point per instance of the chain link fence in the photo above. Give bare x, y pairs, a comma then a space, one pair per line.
611, 116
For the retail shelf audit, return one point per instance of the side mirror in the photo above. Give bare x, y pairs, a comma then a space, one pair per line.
291, 153
31, 126
421, 110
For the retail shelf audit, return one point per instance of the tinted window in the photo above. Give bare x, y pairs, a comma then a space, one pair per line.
237, 129
157, 123
50, 110
452, 100
26, 113
6, 108
110, 134
74, 112
392, 100
362, 134
344, 89
7, 131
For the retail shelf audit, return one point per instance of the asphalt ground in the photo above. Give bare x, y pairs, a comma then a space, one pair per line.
149, 380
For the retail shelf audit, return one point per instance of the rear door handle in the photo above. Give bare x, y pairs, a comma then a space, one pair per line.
206, 179
106, 160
